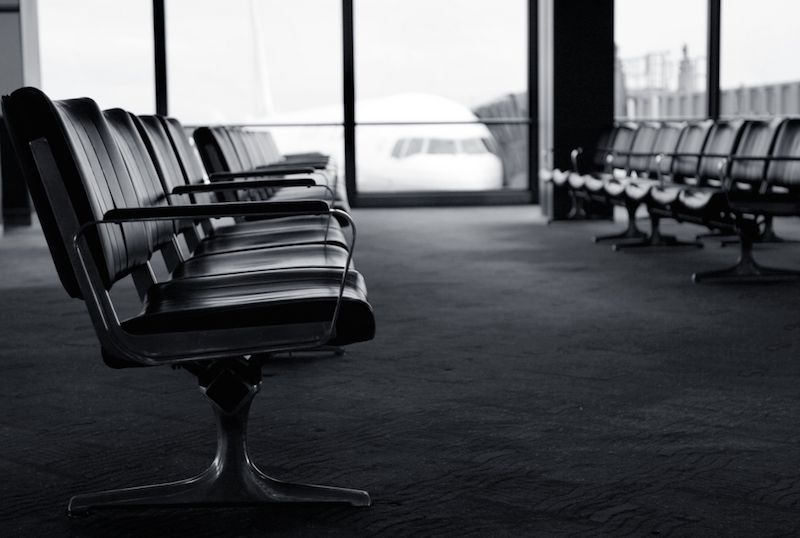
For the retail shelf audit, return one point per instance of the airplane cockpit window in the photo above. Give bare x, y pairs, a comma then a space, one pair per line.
442, 146
397, 150
474, 146
414, 147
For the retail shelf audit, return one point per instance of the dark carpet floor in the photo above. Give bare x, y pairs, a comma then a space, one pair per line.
524, 382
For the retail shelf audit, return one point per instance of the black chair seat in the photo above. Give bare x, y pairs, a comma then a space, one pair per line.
258, 299
772, 203
263, 260
702, 198
267, 238
270, 225
665, 195
339, 201
596, 183
638, 189
615, 186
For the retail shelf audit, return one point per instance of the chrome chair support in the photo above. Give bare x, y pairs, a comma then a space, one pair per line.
232, 479
747, 269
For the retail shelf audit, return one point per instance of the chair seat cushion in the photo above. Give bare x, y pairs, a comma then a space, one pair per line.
615, 186
637, 189
665, 195
255, 300
263, 260
282, 236
313, 193
560, 177
702, 198
576, 181
269, 225
772, 203
596, 183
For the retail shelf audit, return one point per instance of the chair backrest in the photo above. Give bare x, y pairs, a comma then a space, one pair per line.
666, 143
642, 147
267, 142
721, 144
216, 150
757, 139
623, 142
166, 158
787, 144
88, 163
604, 144
147, 182
189, 158
693, 139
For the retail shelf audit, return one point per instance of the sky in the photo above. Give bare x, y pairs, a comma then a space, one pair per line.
759, 37
234, 60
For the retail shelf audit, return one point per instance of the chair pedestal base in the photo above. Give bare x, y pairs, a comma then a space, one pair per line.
231, 480
631, 232
768, 236
657, 239
747, 269
577, 211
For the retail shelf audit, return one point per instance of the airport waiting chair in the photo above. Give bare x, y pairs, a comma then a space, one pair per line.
267, 256
695, 165
560, 178
637, 159
649, 174
589, 186
225, 158
196, 177
102, 224
203, 239
759, 181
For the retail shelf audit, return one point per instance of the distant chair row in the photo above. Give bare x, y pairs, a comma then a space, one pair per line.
732, 176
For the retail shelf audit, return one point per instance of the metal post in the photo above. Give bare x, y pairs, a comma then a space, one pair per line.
349, 96
533, 100
714, 36
160, 56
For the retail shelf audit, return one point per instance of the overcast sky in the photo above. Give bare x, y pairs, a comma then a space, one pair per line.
236, 59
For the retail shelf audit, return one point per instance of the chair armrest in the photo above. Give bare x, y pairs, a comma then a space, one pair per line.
573, 157
240, 185
766, 158
226, 209
225, 176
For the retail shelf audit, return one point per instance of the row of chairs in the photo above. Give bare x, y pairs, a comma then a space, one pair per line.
732, 176
249, 276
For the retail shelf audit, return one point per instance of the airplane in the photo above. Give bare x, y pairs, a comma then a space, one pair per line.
403, 156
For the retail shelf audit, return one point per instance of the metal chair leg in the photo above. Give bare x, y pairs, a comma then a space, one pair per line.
657, 239
767, 236
631, 232
232, 479
577, 212
747, 269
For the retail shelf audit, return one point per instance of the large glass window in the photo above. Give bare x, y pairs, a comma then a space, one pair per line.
255, 61
99, 49
660, 68
758, 71
456, 68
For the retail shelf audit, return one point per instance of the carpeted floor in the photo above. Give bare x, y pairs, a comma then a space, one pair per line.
524, 382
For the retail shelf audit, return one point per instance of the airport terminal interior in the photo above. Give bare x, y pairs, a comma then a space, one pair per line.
399, 268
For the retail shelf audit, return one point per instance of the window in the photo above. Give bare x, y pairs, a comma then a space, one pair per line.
420, 64
758, 72
109, 59
474, 146
438, 146
660, 69
255, 61
414, 146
